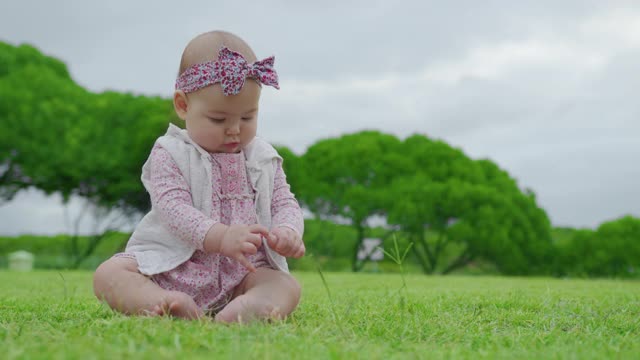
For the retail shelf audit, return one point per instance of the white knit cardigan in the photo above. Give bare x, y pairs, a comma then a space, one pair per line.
155, 249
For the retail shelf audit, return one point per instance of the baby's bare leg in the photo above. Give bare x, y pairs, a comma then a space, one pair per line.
118, 282
262, 295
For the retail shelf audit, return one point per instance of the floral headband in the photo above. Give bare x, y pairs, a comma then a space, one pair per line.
230, 70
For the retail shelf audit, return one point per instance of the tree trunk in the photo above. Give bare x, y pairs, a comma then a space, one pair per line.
74, 249
461, 261
433, 256
355, 264
94, 241
81, 253
440, 244
423, 262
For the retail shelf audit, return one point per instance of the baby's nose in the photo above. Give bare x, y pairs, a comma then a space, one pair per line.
233, 129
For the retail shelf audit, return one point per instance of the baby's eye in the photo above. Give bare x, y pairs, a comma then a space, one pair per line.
247, 118
217, 120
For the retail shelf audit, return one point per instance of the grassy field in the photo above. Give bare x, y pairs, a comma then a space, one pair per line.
362, 316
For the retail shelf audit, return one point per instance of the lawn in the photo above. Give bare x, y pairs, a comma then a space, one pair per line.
50, 314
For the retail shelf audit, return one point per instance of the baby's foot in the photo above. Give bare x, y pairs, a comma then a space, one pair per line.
177, 304
246, 308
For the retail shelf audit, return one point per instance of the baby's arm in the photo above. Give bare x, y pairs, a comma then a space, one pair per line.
171, 197
286, 218
285, 210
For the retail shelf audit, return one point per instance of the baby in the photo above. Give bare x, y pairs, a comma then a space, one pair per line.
223, 217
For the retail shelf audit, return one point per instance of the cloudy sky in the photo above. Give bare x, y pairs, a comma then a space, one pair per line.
546, 89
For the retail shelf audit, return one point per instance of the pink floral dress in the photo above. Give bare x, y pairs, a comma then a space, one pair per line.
210, 279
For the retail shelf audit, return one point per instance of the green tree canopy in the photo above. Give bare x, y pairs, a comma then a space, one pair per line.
342, 176
613, 249
58, 137
434, 193
471, 206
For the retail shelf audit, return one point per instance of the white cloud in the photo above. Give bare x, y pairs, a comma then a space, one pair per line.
612, 30
498, 60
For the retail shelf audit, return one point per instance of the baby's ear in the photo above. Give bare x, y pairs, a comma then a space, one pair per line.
180, 104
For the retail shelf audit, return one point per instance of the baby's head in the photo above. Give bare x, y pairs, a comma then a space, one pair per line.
219, 107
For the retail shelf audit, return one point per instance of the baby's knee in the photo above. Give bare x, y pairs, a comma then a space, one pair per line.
101, 278
291, 290
294, 288
108, 272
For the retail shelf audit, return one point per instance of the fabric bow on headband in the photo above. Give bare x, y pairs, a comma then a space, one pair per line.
230, 70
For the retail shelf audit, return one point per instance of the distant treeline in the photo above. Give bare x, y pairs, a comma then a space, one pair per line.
578, 253
457, 212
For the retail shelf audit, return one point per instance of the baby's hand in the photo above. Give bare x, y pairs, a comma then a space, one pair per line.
286, 242
238, 241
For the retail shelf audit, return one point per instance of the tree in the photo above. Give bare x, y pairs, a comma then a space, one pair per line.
344, 175
58, 137
471, 207
620, 240
613, 249
292, 166
444, 201
477, 221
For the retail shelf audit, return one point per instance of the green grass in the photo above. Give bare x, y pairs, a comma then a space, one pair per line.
49, 314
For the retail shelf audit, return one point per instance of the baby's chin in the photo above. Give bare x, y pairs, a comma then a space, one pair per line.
229, 148
225, 149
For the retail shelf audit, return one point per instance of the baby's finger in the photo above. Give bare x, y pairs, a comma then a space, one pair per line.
272, 237
300, 251
286, 246
273, 241
249, 248
246, 263
259, 229
255, 239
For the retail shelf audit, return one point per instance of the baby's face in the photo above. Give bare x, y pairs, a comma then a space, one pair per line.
220, 123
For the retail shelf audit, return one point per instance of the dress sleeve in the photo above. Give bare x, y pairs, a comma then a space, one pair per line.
171, 198
285, 210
